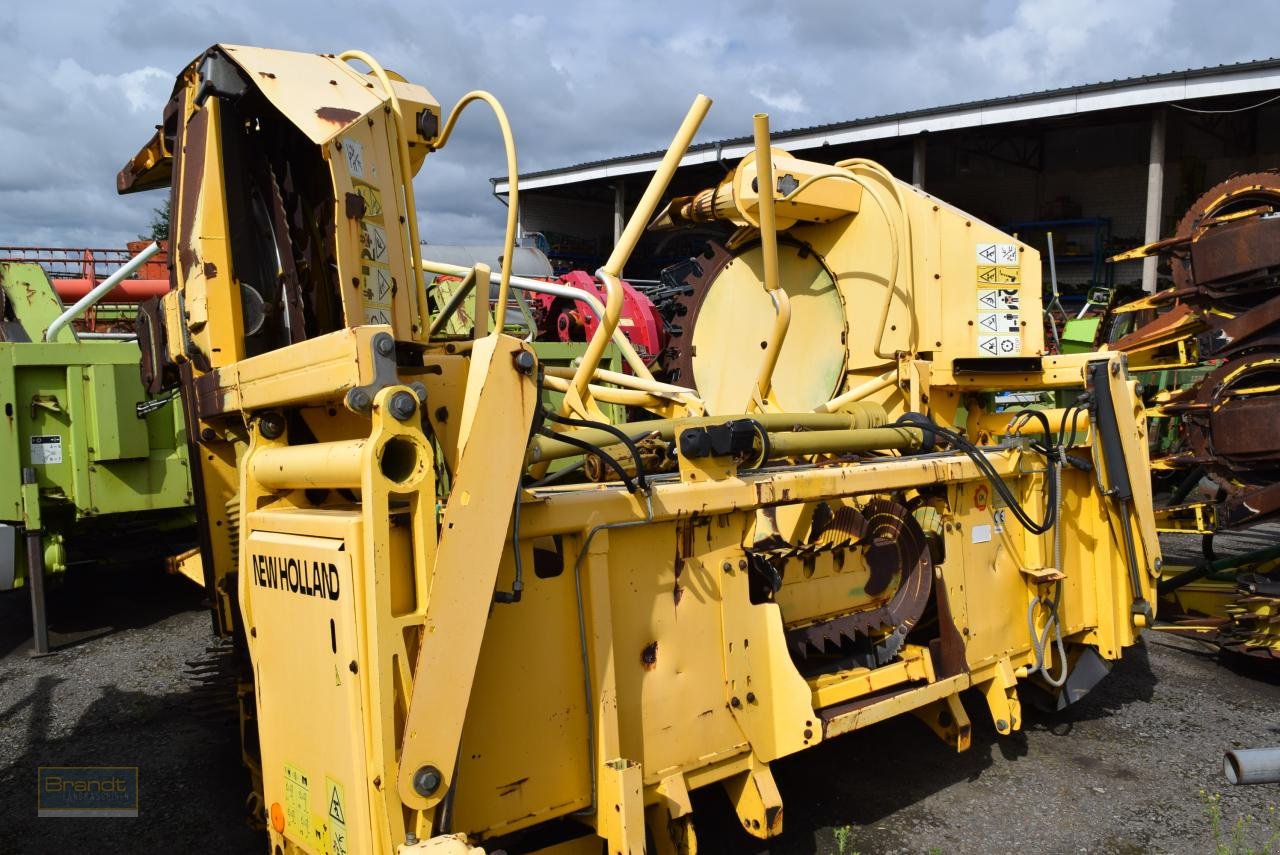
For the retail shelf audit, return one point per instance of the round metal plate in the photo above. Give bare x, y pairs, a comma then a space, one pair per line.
735, 321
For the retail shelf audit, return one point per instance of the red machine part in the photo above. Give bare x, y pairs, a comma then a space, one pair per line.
75, 272
567, 320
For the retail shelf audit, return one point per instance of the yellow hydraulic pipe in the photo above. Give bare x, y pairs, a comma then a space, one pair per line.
617, 378
612, 270
857, 393
858, 417
513, 194
804, 443
626, 397
406, 179
769, 249
325, 465
871, 166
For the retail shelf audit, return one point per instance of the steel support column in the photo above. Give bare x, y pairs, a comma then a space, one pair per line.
1155, 194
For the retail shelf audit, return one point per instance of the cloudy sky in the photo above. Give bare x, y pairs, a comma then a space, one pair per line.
82, 82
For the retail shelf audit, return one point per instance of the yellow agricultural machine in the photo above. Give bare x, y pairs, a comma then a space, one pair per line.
474, 612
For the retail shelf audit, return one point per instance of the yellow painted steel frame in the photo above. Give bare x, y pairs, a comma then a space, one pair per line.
437, 649
634, 667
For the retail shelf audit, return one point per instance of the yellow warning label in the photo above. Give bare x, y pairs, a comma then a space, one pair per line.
297, 815
998, 275
372, 200
337, 808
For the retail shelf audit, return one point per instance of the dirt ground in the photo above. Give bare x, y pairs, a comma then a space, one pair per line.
1130, 769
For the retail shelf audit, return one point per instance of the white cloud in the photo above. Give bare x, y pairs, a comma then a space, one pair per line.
788, 101
85, 81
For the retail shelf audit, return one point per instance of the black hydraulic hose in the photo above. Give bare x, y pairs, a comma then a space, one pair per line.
988, 471
641, 477
596, 450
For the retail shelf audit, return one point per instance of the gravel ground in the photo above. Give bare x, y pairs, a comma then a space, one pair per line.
1127, 770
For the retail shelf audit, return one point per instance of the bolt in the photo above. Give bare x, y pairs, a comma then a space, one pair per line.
271, 425
207, 434
1115, 369
427, 780
410, 839
728, 567
808, 734
385, 344
524, 361
751, 697
358, 400
742, 564
1002, 725
403, 405
735, 703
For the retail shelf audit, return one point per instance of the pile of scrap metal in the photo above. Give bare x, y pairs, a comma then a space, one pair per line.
88, 460
1212, 342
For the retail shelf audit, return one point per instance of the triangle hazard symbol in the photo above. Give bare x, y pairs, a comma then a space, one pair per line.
335, 806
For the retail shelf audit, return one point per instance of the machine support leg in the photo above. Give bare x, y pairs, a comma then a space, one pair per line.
35, 582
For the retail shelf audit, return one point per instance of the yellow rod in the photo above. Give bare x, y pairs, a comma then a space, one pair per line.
611, 271
871, 166
857, 393
513, 193
626, 397
321, 465
769, 249
406, 179
617, 378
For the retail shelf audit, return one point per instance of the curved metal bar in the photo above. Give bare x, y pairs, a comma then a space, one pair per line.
513, 192
406, 178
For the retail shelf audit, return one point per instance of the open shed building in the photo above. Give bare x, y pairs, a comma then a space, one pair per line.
1103, 167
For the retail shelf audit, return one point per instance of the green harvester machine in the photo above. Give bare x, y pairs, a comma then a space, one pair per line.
92, 469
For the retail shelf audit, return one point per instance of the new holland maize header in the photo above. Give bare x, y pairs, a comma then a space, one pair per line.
473, 611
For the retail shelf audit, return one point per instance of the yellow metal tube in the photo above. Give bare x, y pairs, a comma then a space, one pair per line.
857, 418
513, 194
852, 164
406, 180
611, 271
617, 378
804, 443
325, 465
769, 249
857, 393
626, 397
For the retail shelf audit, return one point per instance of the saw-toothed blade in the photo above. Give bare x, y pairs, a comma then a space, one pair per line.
894, 547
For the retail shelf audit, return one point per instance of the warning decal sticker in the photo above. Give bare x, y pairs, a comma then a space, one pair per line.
46, 450
297, 815
337, 817
997, 321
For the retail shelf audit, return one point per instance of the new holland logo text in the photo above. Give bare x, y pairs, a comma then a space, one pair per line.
309, 578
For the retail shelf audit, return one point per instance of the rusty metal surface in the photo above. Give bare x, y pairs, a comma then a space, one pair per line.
1227, 299
885, 536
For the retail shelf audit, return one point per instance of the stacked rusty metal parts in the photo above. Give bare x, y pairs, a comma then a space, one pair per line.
1221, 320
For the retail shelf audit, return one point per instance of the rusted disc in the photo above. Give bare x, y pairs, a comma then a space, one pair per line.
1236, 193
895, 550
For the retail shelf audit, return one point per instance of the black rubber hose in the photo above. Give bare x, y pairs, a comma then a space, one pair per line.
599, 452
641, 476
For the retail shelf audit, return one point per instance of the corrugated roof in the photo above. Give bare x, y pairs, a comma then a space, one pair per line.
1147, 80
